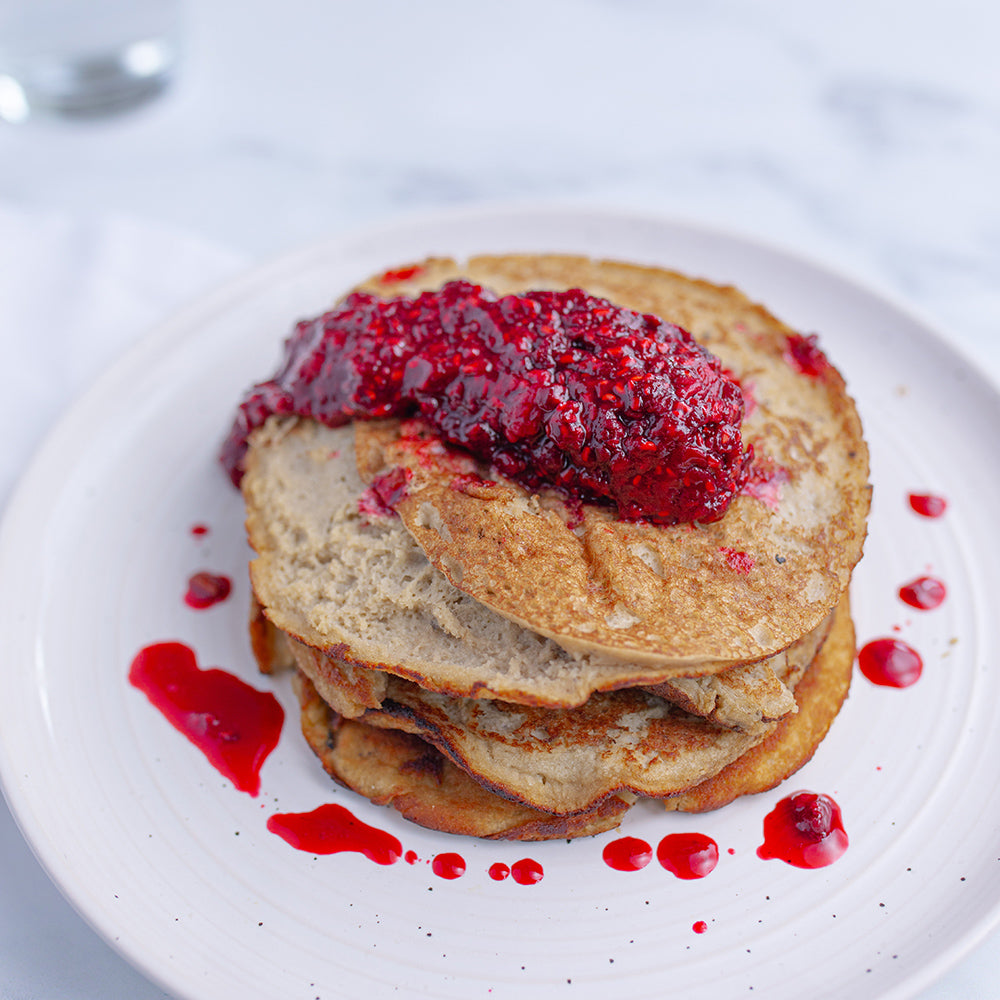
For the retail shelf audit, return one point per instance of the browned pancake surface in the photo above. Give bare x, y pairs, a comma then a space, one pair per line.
736, 590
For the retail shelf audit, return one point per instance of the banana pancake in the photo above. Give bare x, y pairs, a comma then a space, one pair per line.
689, 597
396, 769
392, 767
353, 583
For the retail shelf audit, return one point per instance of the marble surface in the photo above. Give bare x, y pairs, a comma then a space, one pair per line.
865, 135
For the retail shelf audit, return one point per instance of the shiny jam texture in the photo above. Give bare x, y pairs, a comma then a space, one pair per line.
555, 389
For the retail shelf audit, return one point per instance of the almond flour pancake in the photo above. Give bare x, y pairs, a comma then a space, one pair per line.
820, 695
355, 585
394, 767
687, 598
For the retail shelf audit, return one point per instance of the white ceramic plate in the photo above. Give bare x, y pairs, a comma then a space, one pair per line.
177, 869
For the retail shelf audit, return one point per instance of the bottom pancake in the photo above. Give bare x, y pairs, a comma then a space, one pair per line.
398, 769
820, 695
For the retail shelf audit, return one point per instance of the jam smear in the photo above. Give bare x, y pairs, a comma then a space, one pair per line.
556, 389
233, 724
526, 871
805, 830
890, 663
927, 504
804, 355
332, 829
627, 854
688, 855
925, 593
448, 865
207, 589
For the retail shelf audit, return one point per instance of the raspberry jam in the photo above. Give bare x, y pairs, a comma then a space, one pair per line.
233, 724
331, 829
688, 855
556, 389
204, 590
925, 593
890, 663
805, 830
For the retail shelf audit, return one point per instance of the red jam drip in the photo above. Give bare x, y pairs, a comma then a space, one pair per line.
554, 389
526, 872
925, 593
927, 504
411, 857
385, 491
207, 589
198, 530
739, 562
699, 927
805, 830
805, 356
890, 663
448, 865
498, 871
233, 724
331, 829
627, 854
688, 855
400, 274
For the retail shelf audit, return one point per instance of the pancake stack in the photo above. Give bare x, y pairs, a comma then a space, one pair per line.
503, 662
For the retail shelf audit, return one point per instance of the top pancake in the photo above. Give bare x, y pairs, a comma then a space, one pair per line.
687, 598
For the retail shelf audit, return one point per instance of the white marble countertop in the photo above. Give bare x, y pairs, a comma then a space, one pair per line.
862, 134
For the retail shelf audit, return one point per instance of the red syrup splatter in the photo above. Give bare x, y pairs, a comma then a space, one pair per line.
924, 593
805, 356
526, 872
411, 858
699, 927
627, 854
233, 724
198, 530
498, 871
805, 830
927, 504
207, 589
890, 663
448, 865
331, 829
688, 855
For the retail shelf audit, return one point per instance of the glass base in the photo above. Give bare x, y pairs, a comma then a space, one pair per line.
88, 86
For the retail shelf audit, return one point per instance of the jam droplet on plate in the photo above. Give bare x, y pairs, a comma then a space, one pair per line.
627, 854
526, 871
448, 865
924, 593
805, 830
233, 724
498, 871
890, 663
928, 504
555, 389
688, 855
332, 829
207, 589
699, 927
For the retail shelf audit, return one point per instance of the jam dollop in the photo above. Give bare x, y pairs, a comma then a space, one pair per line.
556, 389
805, 830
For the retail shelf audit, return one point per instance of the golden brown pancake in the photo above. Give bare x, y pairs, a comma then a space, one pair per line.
820, 695
396, 769
689, 596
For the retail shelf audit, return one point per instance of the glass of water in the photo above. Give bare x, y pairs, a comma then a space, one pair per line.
84, 58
